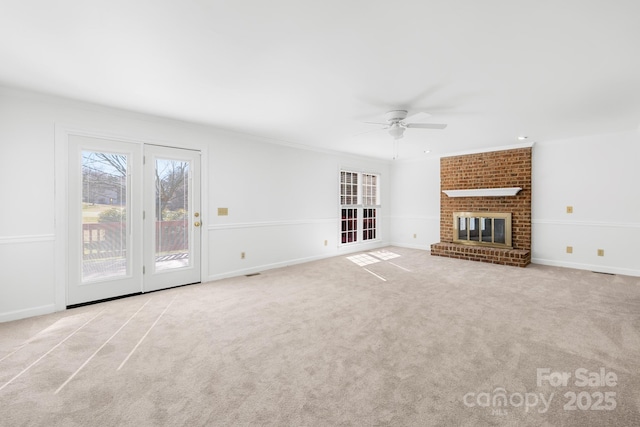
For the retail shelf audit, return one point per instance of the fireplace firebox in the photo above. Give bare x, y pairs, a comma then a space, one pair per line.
482, 228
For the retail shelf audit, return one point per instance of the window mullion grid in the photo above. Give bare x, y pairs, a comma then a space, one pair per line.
359, 195
349, 212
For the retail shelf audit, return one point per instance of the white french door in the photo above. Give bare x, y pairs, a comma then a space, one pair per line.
172, 219
131, 210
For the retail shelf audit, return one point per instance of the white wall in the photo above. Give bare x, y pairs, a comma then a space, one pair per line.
282, 205
282, 200
415, 203
598, 175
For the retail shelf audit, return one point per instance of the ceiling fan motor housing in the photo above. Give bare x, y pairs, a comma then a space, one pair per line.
395, 116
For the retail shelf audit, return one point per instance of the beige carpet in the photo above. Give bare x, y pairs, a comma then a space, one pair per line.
411, 340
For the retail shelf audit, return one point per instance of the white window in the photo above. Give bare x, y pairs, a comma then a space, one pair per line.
359, 204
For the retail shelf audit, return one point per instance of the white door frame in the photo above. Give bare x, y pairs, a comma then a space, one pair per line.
61, 183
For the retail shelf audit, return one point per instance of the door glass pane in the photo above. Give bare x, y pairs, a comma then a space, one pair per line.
172, 214
462, 228
104, 216
499, 230
369, 224
349, 225
474, 229
486, 229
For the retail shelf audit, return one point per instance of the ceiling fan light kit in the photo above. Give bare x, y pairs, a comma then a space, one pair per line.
396, 131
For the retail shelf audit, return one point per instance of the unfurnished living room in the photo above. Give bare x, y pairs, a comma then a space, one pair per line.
297, 213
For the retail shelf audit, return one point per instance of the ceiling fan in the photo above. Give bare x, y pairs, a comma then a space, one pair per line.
396, 124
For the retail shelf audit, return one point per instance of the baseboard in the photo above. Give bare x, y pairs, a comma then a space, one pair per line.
27, 312
589, 267
265, 267
404, 245
360, 247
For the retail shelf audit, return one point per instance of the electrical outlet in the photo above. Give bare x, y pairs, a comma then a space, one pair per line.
569, 249
241, 255
569, 209
600, 252
415, 235
326, 242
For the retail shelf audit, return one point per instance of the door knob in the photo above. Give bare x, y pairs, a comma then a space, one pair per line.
197, 224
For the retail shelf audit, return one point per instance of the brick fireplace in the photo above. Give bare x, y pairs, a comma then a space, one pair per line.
490, 170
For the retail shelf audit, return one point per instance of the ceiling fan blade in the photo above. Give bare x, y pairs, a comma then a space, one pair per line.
370, 131
418, 116
377, 123
426, 125
428, 92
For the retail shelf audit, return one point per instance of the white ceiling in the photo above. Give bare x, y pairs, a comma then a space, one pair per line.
310, 72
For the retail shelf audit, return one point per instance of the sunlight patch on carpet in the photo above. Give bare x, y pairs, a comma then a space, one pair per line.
362, 259
384, 255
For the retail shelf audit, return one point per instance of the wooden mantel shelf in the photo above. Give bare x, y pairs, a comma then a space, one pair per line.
483, 192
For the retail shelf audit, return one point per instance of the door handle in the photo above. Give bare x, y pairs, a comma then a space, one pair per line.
197, 223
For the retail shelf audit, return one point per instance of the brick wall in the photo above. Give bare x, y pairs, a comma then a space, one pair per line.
496, 169
513, 257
